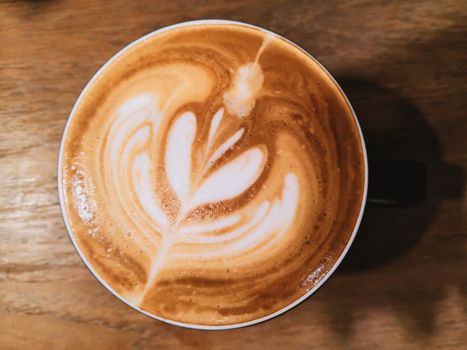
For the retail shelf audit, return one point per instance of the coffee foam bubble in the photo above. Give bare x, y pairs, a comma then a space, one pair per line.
206, 182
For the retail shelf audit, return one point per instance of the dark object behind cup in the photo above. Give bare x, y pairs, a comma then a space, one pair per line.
396, 183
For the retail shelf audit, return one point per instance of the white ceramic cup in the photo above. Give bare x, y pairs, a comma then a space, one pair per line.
190, 325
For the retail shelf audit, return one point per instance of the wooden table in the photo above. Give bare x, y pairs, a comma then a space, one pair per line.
403, 65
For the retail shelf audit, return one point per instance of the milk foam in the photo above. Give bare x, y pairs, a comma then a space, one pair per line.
197, 189
240, 99
178, 154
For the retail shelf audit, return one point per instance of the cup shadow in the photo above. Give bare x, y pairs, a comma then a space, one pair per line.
394, 129
397, 131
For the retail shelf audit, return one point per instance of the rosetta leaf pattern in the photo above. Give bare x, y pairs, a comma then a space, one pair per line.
215, 183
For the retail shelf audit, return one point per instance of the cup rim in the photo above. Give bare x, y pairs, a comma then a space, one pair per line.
193, 325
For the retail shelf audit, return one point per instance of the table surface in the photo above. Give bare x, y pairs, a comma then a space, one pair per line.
403, 65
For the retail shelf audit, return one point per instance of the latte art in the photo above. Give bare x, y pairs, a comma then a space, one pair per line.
212, 174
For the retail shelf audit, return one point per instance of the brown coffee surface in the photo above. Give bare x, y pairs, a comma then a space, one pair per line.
212, 174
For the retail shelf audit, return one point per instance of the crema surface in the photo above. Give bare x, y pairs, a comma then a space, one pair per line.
212, 174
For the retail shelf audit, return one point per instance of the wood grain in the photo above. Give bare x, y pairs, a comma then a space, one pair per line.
403, 65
